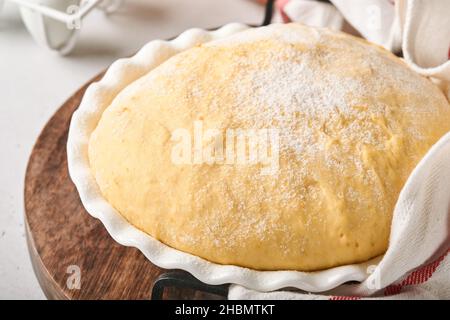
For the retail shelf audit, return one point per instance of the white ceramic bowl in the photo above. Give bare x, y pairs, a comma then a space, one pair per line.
98, 97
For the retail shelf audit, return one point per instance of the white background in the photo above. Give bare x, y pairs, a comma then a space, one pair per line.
34, 82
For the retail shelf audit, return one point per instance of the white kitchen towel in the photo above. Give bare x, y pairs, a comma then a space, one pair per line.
417, 262
421, 28
311, 13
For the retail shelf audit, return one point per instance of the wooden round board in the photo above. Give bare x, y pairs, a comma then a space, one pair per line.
72, 254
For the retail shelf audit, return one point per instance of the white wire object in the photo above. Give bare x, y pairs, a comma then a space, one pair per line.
56, 23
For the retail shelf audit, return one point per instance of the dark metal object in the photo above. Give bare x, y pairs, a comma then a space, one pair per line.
184, 280
268, 13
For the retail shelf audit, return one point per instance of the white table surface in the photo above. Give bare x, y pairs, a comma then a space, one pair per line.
34, 82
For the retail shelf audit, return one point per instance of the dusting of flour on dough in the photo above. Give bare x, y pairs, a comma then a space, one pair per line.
353, 121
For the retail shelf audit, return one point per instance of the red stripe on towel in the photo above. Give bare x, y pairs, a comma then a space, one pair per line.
416, 277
